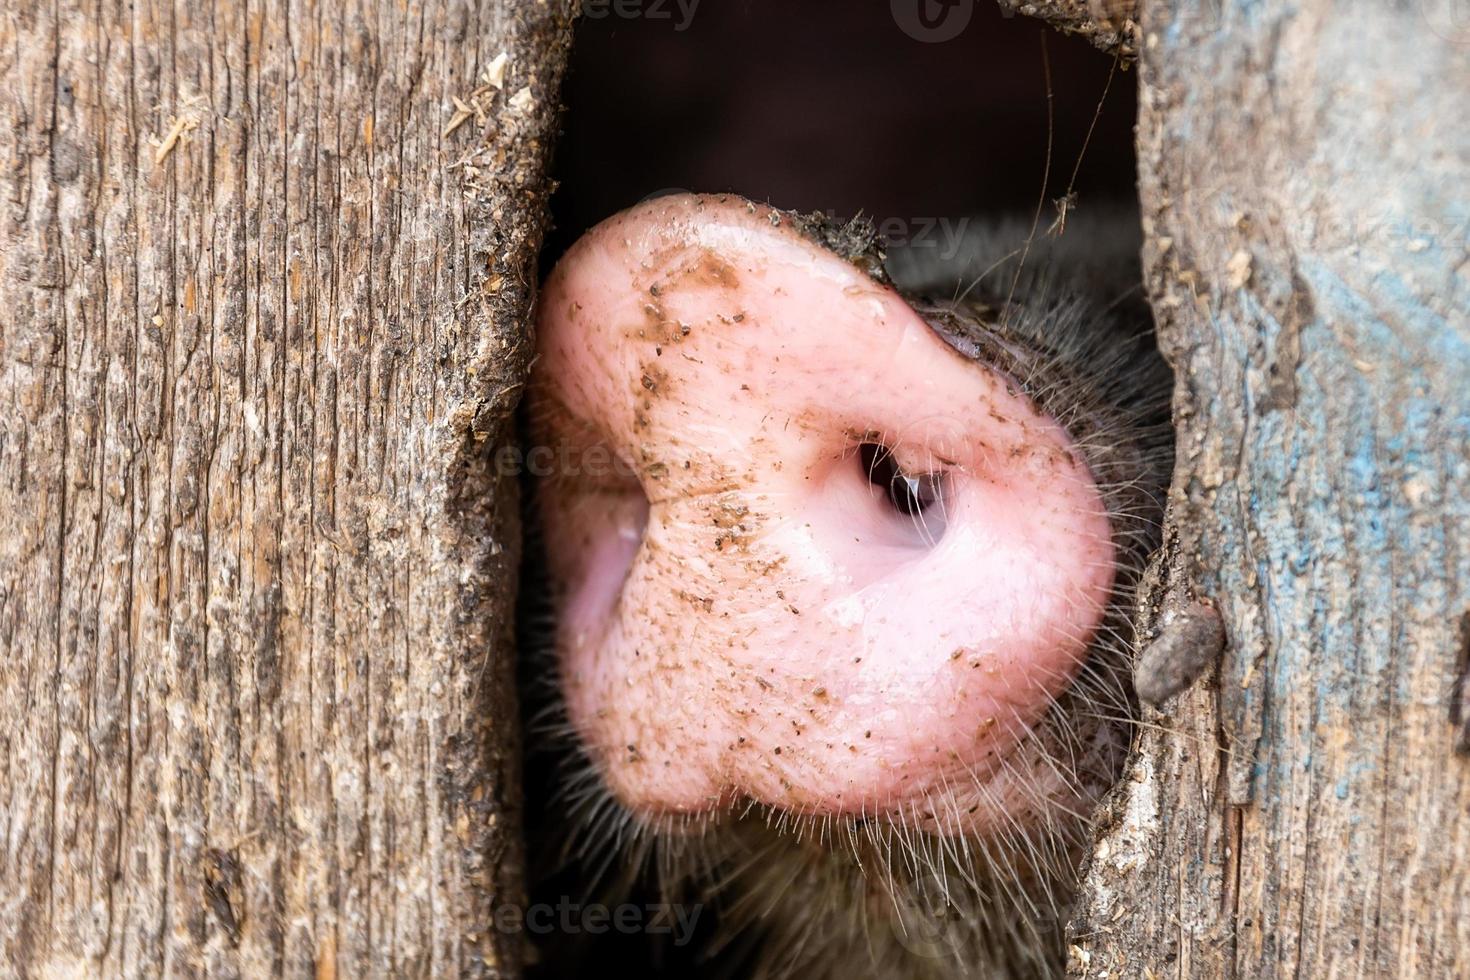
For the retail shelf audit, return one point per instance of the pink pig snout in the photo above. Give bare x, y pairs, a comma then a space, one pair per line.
806, 554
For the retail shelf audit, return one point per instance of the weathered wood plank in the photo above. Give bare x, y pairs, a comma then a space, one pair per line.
1303, 176
261, 324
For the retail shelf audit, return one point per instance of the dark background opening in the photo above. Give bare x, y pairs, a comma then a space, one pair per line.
835, 106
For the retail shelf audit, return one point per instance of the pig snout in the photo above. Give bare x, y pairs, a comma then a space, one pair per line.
804, 554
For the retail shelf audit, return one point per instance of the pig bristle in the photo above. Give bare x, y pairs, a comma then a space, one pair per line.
816, 895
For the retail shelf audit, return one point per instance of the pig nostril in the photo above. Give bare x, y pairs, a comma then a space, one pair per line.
910, 495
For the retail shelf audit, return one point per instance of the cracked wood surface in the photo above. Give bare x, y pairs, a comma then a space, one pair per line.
262, 322
1305, 812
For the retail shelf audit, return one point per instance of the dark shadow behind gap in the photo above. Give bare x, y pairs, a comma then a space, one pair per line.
819, 105
825, 105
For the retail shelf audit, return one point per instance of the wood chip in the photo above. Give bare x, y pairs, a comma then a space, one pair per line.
494, 73
522, 100
176, 131
1238, 269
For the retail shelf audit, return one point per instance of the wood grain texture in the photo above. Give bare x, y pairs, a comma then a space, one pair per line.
262, 322
1305, 814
